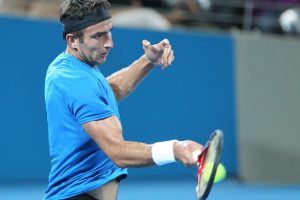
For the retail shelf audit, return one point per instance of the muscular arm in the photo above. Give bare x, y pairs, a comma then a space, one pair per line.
108, 135
124, 81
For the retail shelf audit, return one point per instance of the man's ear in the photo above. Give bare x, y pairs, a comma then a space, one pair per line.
71, 41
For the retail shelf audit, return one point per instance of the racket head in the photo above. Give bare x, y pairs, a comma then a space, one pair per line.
208, 162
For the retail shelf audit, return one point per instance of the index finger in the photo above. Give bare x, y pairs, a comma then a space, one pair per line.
165, 43
146, 43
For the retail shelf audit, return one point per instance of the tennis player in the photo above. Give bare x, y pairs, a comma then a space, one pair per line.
88, 153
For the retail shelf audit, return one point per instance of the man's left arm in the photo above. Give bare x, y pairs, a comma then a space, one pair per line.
124, 81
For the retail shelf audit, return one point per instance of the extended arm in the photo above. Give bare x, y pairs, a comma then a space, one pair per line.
124, 81
108, 135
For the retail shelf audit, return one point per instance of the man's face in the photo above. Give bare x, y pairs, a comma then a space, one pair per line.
96, 43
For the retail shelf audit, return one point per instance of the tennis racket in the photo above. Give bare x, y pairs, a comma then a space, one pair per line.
210, 157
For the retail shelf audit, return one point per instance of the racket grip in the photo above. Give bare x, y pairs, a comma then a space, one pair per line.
162, 152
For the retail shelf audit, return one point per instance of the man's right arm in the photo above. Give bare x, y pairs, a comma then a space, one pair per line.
108, 135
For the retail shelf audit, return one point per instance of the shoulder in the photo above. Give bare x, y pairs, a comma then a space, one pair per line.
64, 72
66, 67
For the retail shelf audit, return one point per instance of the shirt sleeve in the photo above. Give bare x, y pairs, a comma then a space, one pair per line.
87, 100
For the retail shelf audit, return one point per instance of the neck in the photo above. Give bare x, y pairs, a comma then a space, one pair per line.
74, 53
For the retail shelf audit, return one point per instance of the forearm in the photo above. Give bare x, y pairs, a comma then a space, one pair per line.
107, 133
133, 154
124, 81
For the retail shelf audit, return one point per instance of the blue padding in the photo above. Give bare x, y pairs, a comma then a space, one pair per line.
187, 101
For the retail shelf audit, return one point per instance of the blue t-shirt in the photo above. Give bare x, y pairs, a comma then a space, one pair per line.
76, 93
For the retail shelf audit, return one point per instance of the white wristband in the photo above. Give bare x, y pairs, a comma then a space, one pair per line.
162, 152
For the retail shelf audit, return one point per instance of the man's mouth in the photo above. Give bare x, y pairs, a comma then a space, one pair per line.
104, 54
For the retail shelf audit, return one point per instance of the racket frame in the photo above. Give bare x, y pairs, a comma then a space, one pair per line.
201, 161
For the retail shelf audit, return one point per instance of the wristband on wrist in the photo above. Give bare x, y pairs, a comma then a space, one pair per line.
162, 152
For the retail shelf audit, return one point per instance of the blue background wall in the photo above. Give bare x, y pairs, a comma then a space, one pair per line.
187, 101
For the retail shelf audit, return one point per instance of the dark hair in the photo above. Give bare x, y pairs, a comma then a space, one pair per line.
77, 9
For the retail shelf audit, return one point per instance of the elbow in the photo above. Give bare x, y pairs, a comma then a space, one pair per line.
119, 156
119, 93
119, 160
122, 89
120, 163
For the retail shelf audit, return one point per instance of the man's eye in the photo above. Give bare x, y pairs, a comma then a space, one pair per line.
99, 35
